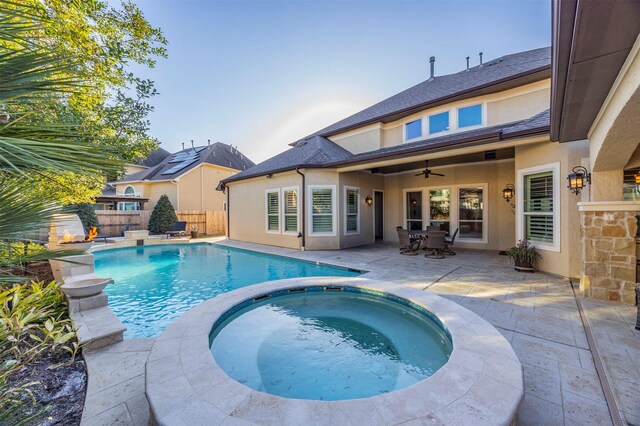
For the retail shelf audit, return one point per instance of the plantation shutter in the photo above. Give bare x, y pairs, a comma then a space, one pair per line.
352, 210
291, 211
273, 211
322, 210
538, 207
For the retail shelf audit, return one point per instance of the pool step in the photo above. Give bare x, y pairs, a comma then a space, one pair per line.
98, 327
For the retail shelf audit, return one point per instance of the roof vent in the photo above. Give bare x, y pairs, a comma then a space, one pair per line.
208, 142
480, 59
467, 63
490, 155
183, 146
432, 66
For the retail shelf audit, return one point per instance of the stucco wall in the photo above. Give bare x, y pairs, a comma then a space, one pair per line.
367, 139
566, 262
517, 107
198, 189
366, 183
501, 219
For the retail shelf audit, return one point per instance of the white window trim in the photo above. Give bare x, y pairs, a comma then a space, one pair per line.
357, 231
284, 231
555, 169
266, 210
334, 209
404, 205
422, 130
454, 213
483, 116
438, 112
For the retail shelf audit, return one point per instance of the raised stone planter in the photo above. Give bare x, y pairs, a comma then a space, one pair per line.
481, 384
136, 235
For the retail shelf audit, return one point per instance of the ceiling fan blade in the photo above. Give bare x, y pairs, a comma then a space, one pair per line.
419, 174
437, 174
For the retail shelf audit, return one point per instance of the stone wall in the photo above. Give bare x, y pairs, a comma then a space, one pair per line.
609, 255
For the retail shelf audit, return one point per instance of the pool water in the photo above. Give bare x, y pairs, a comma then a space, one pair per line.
153, 285
329, 346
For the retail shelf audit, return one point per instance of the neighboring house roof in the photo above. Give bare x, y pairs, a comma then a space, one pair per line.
182, 162
154, 158
319, 152
534, 64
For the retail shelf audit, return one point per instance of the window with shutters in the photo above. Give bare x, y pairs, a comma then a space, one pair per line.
290, 210
539, 206
322, 210
273, 210
352, 210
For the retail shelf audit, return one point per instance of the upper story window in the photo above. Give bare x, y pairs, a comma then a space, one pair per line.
439, 122
470, 116
413, 129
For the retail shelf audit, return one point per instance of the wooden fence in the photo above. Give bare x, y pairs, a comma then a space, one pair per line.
114, 222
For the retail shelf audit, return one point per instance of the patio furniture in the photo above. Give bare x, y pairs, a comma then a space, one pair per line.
179, 229
431, 228
436, 243
449, 242
408, 245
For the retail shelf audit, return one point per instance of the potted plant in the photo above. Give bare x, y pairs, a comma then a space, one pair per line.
194, 232
523, 256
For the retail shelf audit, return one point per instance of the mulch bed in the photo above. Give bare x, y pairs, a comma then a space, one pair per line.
60, 391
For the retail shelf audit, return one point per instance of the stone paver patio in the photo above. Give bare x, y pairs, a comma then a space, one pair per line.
537, 313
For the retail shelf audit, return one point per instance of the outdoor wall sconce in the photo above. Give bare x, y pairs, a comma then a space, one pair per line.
507, 192
368, 200
269, 176
637, 177
414, 202
578, 179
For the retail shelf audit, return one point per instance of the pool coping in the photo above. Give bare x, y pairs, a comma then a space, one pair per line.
482, 380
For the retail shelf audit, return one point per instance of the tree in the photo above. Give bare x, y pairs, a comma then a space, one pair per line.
163, 216
87, 216
93, 42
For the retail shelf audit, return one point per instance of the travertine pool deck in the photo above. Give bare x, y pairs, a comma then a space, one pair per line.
537, 313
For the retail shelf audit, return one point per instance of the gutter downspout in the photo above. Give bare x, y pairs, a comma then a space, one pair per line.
175, 182
227, 190
304, 209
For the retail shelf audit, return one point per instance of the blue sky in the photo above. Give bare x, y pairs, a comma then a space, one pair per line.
262, 74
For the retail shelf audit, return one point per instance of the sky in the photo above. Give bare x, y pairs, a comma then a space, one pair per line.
262, 74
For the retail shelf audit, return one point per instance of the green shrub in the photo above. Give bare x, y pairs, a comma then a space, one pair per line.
87, 216
163, 216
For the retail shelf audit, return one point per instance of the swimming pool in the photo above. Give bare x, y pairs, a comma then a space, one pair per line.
153, 285
329, 343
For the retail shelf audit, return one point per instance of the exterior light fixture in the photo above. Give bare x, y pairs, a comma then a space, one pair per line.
637, 177
507, 192
368, 200
578, 179
414, 202
269, 176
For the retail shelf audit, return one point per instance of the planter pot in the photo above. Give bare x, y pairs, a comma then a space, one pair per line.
85, 288
194, 234
523, 266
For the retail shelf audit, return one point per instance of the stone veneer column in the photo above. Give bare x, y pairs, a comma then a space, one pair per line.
608, 234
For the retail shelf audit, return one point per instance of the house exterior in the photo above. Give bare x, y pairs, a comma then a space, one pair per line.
188, 177
484, 128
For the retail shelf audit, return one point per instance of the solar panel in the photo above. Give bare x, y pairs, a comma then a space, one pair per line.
180, 166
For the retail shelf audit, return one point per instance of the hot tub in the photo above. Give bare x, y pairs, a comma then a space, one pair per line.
253, 356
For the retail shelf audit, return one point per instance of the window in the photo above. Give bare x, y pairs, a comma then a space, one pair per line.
439, 208
128, 206
470, 212
413, 129
470, 116
439, 122
414, 210
129, 191
290, 210
630, 190
352, 210
273, 210
322, 210
539, 206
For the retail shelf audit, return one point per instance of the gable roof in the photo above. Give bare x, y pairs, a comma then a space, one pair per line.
218, 154
515, 70
154, 158
320, 152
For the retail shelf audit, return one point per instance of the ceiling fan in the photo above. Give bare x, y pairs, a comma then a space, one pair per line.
427, 172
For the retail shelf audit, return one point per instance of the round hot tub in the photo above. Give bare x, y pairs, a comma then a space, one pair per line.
329, 343
332, 350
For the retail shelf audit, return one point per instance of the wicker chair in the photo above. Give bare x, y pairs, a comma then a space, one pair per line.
436, 243
449, 242
408, 246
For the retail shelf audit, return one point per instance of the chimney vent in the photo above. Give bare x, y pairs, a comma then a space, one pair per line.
183, 146
192, 146
432, 66
208, 142
480, 58
467, 63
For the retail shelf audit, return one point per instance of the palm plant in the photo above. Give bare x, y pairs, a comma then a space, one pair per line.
37, 136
